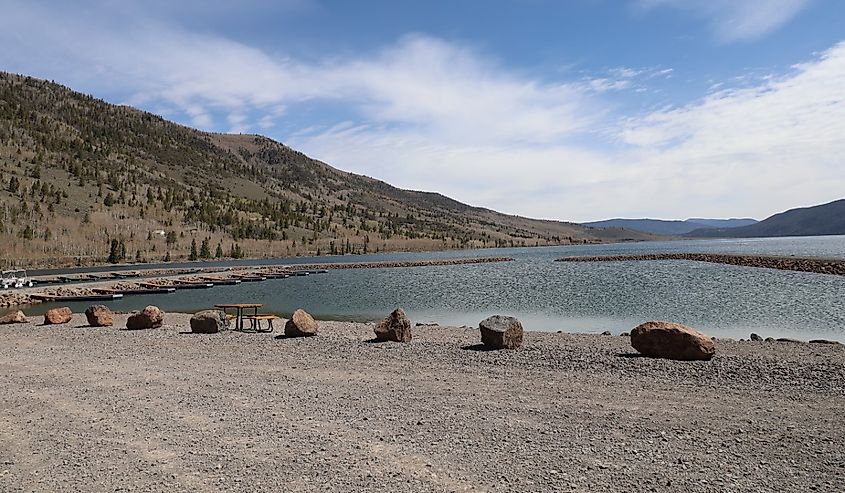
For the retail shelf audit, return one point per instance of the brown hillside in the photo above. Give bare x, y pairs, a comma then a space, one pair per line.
82, 179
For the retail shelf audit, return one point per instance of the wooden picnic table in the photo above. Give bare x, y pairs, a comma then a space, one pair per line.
239, 311
256, 320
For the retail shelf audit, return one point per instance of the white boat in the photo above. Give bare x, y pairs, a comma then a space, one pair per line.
15, 279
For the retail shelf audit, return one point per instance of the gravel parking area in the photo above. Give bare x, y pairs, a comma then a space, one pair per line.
105, 409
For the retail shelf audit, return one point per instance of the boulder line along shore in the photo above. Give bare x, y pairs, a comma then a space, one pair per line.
801, 264
165, 277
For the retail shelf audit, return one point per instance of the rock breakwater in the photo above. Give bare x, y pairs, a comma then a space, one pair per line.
801, 264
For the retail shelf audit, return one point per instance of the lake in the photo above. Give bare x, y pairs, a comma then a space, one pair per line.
721, 300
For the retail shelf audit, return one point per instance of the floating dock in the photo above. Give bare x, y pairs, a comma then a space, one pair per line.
125, 275
252, 278
158, 290
186, 285
81, 297
221, 282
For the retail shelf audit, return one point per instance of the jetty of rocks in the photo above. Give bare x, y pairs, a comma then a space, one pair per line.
802, 264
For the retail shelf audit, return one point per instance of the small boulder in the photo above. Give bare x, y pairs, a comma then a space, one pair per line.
770, 339
150, 317
209, 322
824, 341
788, 339
606, 333
396, 327
755, 337
501, 332
669, 340
99, 316
16, 317
58, 316
301, 324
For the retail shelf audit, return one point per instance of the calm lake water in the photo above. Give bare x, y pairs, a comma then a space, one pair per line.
721, 300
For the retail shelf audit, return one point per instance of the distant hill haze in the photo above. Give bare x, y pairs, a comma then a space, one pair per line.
82, 180
670, 228
825, 219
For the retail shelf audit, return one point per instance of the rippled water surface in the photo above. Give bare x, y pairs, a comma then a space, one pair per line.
719, 299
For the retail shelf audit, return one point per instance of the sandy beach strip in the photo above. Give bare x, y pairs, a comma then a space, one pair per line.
105, 409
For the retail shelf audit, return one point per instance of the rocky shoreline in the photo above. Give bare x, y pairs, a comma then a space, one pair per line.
101, 409
801, 264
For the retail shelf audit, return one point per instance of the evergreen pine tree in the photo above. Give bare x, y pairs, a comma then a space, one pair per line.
114, 252
205, 249
193, 254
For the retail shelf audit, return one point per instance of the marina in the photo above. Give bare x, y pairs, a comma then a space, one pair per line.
74, 298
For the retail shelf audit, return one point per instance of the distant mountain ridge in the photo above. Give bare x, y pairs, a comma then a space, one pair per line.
824, 219
672, 228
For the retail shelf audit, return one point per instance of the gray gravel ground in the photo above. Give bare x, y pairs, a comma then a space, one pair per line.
85, 409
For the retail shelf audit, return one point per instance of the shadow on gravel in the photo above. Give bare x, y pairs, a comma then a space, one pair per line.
477, 347
375, 341
631, 355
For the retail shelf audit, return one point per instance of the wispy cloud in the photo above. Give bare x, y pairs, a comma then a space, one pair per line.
736, 20
751, 150
420, 81
434, 114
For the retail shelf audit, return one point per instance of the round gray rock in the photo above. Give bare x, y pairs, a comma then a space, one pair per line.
501, 332
396, 327
209, 322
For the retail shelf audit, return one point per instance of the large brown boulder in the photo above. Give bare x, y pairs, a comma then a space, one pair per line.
209, 322
396, 327
301, 324
58, 316
99, 316
16, 317
660, 339
150, 317
501, 332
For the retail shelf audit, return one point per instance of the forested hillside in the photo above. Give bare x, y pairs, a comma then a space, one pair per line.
84, 181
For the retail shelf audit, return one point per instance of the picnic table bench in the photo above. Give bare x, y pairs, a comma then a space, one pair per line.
256, 320
239, 311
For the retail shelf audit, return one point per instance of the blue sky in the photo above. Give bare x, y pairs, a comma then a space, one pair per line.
574, 110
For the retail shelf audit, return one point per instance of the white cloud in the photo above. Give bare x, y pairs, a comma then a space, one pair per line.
237, 122
419, 81
430, 114
736, 20
749, 151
